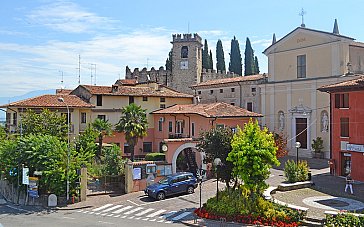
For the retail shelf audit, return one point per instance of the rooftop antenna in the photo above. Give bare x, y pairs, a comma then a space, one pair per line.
79, 69
302, 13
61, 77
91, 74
94, 72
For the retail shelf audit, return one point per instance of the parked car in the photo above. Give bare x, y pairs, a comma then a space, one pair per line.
177, 183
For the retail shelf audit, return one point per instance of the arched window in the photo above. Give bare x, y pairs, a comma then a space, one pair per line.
184, 52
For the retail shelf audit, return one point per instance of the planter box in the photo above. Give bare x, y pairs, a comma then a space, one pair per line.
294, 186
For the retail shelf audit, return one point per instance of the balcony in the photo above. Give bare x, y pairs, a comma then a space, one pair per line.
177, 136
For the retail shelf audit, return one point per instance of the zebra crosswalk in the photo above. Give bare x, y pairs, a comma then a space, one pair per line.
137, 213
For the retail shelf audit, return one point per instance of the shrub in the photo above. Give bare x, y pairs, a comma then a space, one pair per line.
296, 172
155, 157
344, 220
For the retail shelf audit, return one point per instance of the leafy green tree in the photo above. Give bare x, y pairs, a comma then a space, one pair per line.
235, 64
113, 162
257, 70
85, 147
253, 154
2, 133
103, 128
211, 63
133, 122
169, 61
205, 56
249, 62
220, 59
216, 143
46, 123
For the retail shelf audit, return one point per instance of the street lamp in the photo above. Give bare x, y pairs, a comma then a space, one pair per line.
217, 162
60, 99
297, 145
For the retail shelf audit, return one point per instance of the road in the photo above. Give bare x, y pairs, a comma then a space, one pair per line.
133, 209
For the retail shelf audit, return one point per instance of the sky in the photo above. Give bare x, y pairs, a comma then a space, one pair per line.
42, 41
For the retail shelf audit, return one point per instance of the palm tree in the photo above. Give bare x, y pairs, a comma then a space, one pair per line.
103, 128
133, 122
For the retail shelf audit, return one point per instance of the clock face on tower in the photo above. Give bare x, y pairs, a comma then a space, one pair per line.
184, 64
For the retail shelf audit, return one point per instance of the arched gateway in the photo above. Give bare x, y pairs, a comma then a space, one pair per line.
188, 148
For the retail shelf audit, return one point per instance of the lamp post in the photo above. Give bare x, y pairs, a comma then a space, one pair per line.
217, 162
60, 99
297, 145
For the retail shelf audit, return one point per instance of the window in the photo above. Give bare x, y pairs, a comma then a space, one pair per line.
162, 106
184, 52
160, 124
221, 90
131, 99
179, 127
127, 148
162, 99
15, 118
249, 106
211, 91
102, 117
254, 89
8, 116
199, 92
344, 127
301, 66
232, 89
145, 98
342, 100
147, 147
170, 126
98, 100
83, 118
193, 129
68, 119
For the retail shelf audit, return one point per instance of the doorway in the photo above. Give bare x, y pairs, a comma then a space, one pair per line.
301, 132
345, 164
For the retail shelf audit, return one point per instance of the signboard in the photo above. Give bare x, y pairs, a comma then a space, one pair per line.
355, 147
25, 176
33, 187
137, 173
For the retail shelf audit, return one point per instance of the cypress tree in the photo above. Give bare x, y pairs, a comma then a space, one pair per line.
249, 59
211, 63
235, 64
220, 59
169, 61
205, 56
257, 70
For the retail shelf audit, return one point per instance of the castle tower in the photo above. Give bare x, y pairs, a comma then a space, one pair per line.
186, 61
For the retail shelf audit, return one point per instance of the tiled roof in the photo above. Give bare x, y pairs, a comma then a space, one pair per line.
230, 80
219, 109
136, 91
47, 101
358, 44
63, 91
357, 83
126, 82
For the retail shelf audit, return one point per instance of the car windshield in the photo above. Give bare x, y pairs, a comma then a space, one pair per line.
164, 180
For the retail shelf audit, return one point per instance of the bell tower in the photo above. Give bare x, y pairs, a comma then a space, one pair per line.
186, 61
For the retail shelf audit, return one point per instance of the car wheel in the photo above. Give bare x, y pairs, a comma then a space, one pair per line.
190, 189
161, 196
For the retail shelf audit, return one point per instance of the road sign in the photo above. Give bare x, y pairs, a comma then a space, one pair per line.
33, 187
25, 176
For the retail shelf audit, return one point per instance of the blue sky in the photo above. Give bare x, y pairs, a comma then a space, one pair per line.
40, 39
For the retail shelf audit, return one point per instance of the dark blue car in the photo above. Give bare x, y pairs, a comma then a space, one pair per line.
174, 184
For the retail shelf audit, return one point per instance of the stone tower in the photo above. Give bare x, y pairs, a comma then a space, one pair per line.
186, 62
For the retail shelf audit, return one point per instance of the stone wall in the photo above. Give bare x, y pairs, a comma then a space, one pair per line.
161, 75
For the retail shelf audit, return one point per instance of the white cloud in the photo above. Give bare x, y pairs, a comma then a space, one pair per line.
263, 42
68, 17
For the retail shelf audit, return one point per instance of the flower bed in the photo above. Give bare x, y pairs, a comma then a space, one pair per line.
248, 219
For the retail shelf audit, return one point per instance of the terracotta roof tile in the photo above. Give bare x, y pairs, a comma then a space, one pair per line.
358, 44
46, 101
219, 109
63, 91
136, 91
230, 80
126, 82
357, 83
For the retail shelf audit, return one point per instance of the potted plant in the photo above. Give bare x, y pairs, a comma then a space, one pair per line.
317, 147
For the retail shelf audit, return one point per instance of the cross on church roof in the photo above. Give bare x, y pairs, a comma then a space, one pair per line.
302, 13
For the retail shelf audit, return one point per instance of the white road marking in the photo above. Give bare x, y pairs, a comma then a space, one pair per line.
110, 215
153, 219
156, 213
168, 214
145, 219
104, 222
79, 211
137, 218
122, 209
91, 212
123, 216
85, 212
184, 214
168, 222
68, 218
102, 207
112, 208
116, 216
144, 212
160, 221
134, 203
131, 217
134, 210
103, 214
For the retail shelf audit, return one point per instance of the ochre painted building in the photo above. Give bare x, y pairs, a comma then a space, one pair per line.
347, 127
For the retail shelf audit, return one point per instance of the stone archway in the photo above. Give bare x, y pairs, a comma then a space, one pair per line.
180, 149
